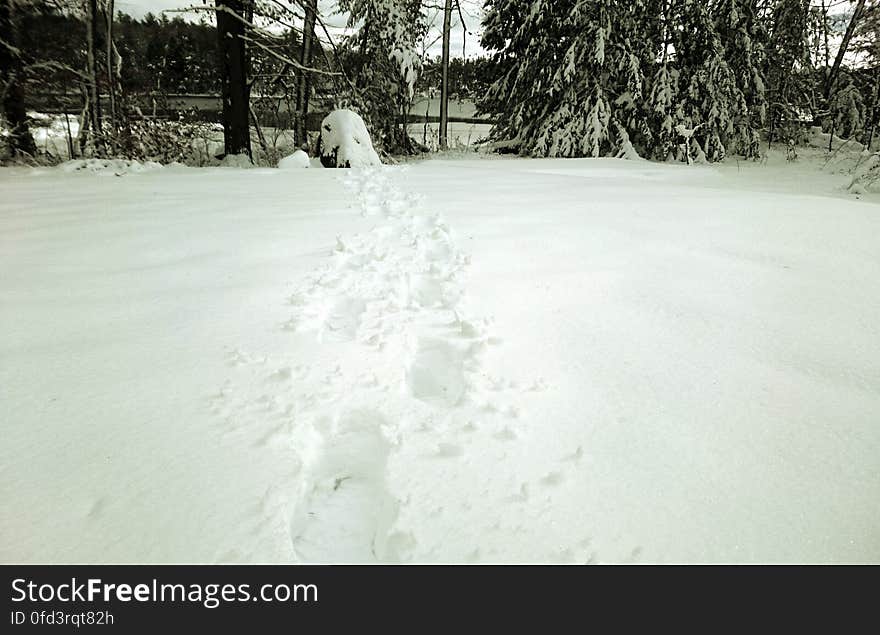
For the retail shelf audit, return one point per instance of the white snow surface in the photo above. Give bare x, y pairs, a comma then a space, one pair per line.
295, 161
344, 135
449, 361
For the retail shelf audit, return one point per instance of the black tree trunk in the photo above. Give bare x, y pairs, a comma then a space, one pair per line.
233, 76
11, 85
92, 70
842, 49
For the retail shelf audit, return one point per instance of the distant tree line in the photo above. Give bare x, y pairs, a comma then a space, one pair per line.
469, 78
80, 54
159, 53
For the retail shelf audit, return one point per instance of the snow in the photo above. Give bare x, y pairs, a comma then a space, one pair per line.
297, 160
50, 131
116, 167
449, 361
345, 141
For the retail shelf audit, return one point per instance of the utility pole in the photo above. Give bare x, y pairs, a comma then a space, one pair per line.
444, 70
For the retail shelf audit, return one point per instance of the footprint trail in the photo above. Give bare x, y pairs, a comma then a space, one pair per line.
406, 449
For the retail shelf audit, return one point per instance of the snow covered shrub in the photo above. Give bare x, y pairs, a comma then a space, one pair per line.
345, 142
297, 160
866, 175
847, 111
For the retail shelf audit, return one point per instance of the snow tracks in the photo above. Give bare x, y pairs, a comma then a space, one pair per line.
389, 304
389, 390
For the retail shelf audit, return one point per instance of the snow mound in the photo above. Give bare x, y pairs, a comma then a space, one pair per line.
819, 139
866, 175
113, 166
298, 159
345, 141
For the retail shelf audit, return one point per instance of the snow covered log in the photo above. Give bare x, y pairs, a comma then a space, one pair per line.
345, 142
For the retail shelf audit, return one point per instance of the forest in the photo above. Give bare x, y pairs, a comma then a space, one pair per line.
681, 80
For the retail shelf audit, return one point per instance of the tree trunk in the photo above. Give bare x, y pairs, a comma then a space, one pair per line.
871, 120
233, 77
844, 44
303, 84
111, 76
444, 80
361, 80
11, 85
825, 34
92, 71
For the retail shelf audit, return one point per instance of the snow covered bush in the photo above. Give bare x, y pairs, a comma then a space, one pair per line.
191, 143
866, 175
345, 141
847, 111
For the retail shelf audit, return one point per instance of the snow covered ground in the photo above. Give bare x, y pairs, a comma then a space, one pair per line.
488, 360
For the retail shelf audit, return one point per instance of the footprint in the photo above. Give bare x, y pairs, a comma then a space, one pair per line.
283, 374
522, 496
435, 373
346, 510
505, 434
426, 290
340, 318
576, 456
448, 451
552, 479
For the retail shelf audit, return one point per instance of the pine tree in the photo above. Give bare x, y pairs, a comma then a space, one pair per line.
742, 38
790, 78
665, 113
387, 35
711, 98
572, 77
588, 77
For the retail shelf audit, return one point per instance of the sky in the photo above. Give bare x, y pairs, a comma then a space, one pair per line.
461, 39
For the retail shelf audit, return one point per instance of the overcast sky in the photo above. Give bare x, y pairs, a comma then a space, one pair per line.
458, 38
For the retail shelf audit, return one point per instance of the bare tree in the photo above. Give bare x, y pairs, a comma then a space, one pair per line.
844, 45
11, 86
303, 84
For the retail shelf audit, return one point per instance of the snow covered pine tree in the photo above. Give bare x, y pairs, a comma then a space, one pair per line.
605, 77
